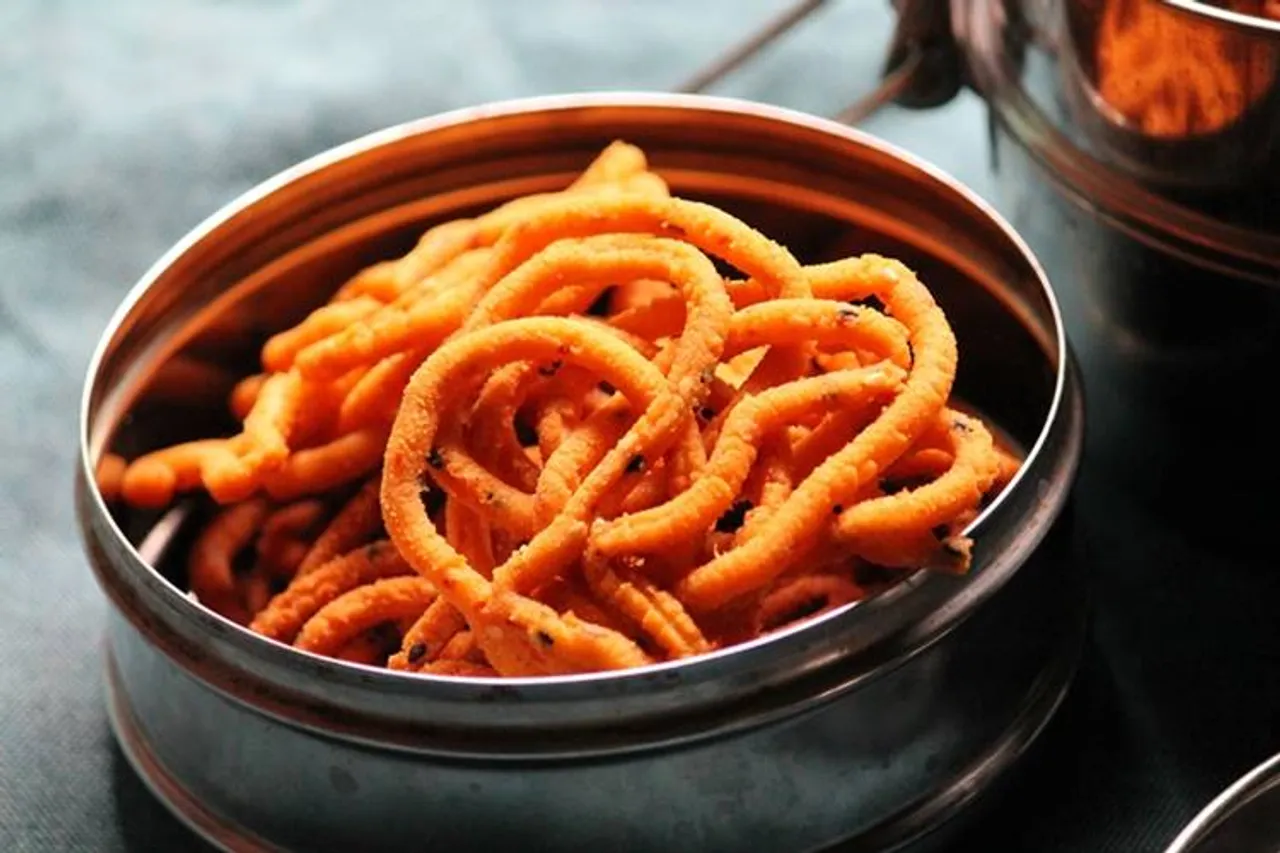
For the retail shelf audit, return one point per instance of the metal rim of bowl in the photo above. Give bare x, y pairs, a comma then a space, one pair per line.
1259, 780
563, 688
1251, 23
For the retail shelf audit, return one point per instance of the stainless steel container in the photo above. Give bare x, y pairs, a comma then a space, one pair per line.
1165, 248
873, 726
1245, 818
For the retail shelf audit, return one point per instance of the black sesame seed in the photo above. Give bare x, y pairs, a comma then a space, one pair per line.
242, 561
706, 413
733, 517
525, 434
432, 500
601, 305
635, 464
607, 388
386, 636
545, 639
869, 574
837, 509
434, 459
417, 652
803, 610
551, 369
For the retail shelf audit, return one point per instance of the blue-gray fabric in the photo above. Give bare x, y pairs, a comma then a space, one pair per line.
123, 124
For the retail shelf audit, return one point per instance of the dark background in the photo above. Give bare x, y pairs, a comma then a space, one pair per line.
123, 124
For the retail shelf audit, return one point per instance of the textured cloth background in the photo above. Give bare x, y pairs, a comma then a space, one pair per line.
124, 123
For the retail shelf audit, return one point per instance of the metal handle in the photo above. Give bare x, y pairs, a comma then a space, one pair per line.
921, 69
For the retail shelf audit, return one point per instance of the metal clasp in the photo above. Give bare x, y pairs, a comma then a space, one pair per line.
922, 67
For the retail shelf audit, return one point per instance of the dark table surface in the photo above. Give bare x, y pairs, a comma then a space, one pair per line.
124, 124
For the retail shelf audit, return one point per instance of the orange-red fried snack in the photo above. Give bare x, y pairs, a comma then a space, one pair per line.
355, 524
837, 480
596, 452
355, 612
109, 475
289, 611
210, 564
152, 480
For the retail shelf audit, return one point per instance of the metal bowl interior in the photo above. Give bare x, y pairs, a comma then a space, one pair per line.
195, 323
1199, 159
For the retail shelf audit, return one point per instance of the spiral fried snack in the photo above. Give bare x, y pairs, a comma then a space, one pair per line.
579, 447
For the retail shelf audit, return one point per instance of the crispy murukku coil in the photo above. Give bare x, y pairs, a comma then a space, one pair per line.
355, 524
835, 483
407, 463
803, 597
109, 475
279, 352
429, 635
420, 324
889, 530
434, 250
245, 394
697, 509
355, 612
318, 469
287, 612
211, 562
657, 613
152, 480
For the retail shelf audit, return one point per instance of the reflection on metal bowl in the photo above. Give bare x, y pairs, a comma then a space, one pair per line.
1245, 818
873, 725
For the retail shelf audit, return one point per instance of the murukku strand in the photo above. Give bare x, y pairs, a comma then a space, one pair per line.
658, 613
263, 444
504, 638
281, 544
835, 483
697, 509
152, 480
280, 350
803, 597
914, 528
421, 324
108, 475
211, 573
355, 524
434, 250
287, 612
318, 469
429, 635
355, 612
245, 394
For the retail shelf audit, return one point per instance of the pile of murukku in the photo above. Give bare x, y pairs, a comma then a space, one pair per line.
556, 438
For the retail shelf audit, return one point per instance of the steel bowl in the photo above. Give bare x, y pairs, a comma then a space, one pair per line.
1245, 818
873, 726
